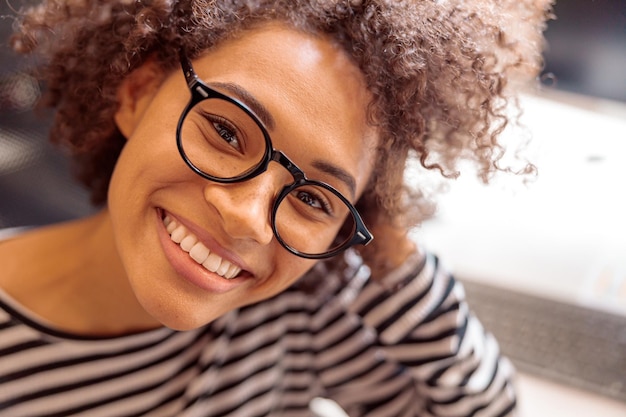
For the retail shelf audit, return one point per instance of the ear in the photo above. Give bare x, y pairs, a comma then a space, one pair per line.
134, 95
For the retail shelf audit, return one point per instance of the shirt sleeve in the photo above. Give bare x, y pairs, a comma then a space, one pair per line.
408, 345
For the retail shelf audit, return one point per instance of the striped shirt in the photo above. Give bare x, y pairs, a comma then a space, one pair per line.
406, 345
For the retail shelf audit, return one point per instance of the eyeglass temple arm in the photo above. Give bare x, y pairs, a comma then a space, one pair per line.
196, 86
190, 74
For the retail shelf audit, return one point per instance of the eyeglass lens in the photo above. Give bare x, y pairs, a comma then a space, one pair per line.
222, 140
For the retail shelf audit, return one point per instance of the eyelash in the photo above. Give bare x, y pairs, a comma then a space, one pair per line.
325, 206
218, 121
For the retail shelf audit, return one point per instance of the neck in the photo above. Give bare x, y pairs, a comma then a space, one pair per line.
78, 282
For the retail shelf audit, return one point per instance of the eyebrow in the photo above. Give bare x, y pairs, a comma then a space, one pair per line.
265, 116
337, 172
242, 94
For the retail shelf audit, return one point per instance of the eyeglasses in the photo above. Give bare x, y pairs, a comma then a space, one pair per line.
222, 140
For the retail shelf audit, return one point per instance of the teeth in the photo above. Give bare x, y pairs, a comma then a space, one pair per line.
178, 234
198, 252
212, 262
232, 272
223, 269
167, 221
188, 242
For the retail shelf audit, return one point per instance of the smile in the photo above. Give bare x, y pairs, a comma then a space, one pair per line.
198, 252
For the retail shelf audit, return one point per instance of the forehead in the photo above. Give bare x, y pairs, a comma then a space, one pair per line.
315, 96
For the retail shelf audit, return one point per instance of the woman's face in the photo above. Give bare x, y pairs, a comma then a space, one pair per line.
317, 100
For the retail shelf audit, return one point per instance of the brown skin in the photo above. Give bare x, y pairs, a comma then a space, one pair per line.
109, 274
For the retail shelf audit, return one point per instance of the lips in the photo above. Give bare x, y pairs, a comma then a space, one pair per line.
197, 251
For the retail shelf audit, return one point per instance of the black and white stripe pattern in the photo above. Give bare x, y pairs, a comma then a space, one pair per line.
404, 346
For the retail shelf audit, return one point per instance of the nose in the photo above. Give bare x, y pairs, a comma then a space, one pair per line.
245, 207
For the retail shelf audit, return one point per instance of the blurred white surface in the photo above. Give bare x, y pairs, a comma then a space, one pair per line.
541, 398
563, 235
323, 407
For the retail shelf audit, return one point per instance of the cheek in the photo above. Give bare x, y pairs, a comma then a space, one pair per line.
150, 155
289, 268
151, 146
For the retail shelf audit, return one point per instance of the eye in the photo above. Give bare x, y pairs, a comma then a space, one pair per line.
314, 199
226, 131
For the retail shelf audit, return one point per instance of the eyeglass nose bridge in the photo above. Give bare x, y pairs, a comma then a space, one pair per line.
282, 159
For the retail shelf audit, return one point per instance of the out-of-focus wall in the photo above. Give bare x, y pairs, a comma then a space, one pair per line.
587, 48
36, 186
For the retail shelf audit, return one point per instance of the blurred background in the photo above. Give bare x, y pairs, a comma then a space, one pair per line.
544, 264
587, 48
35, 180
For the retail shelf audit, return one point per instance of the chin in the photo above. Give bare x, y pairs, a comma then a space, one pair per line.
185, 321
178, 313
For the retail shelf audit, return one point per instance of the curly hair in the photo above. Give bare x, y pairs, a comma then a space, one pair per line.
438, 72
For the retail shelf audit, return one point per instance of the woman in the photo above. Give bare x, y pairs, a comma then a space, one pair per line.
244, 154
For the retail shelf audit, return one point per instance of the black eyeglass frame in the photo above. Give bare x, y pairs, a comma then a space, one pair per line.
199, 92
